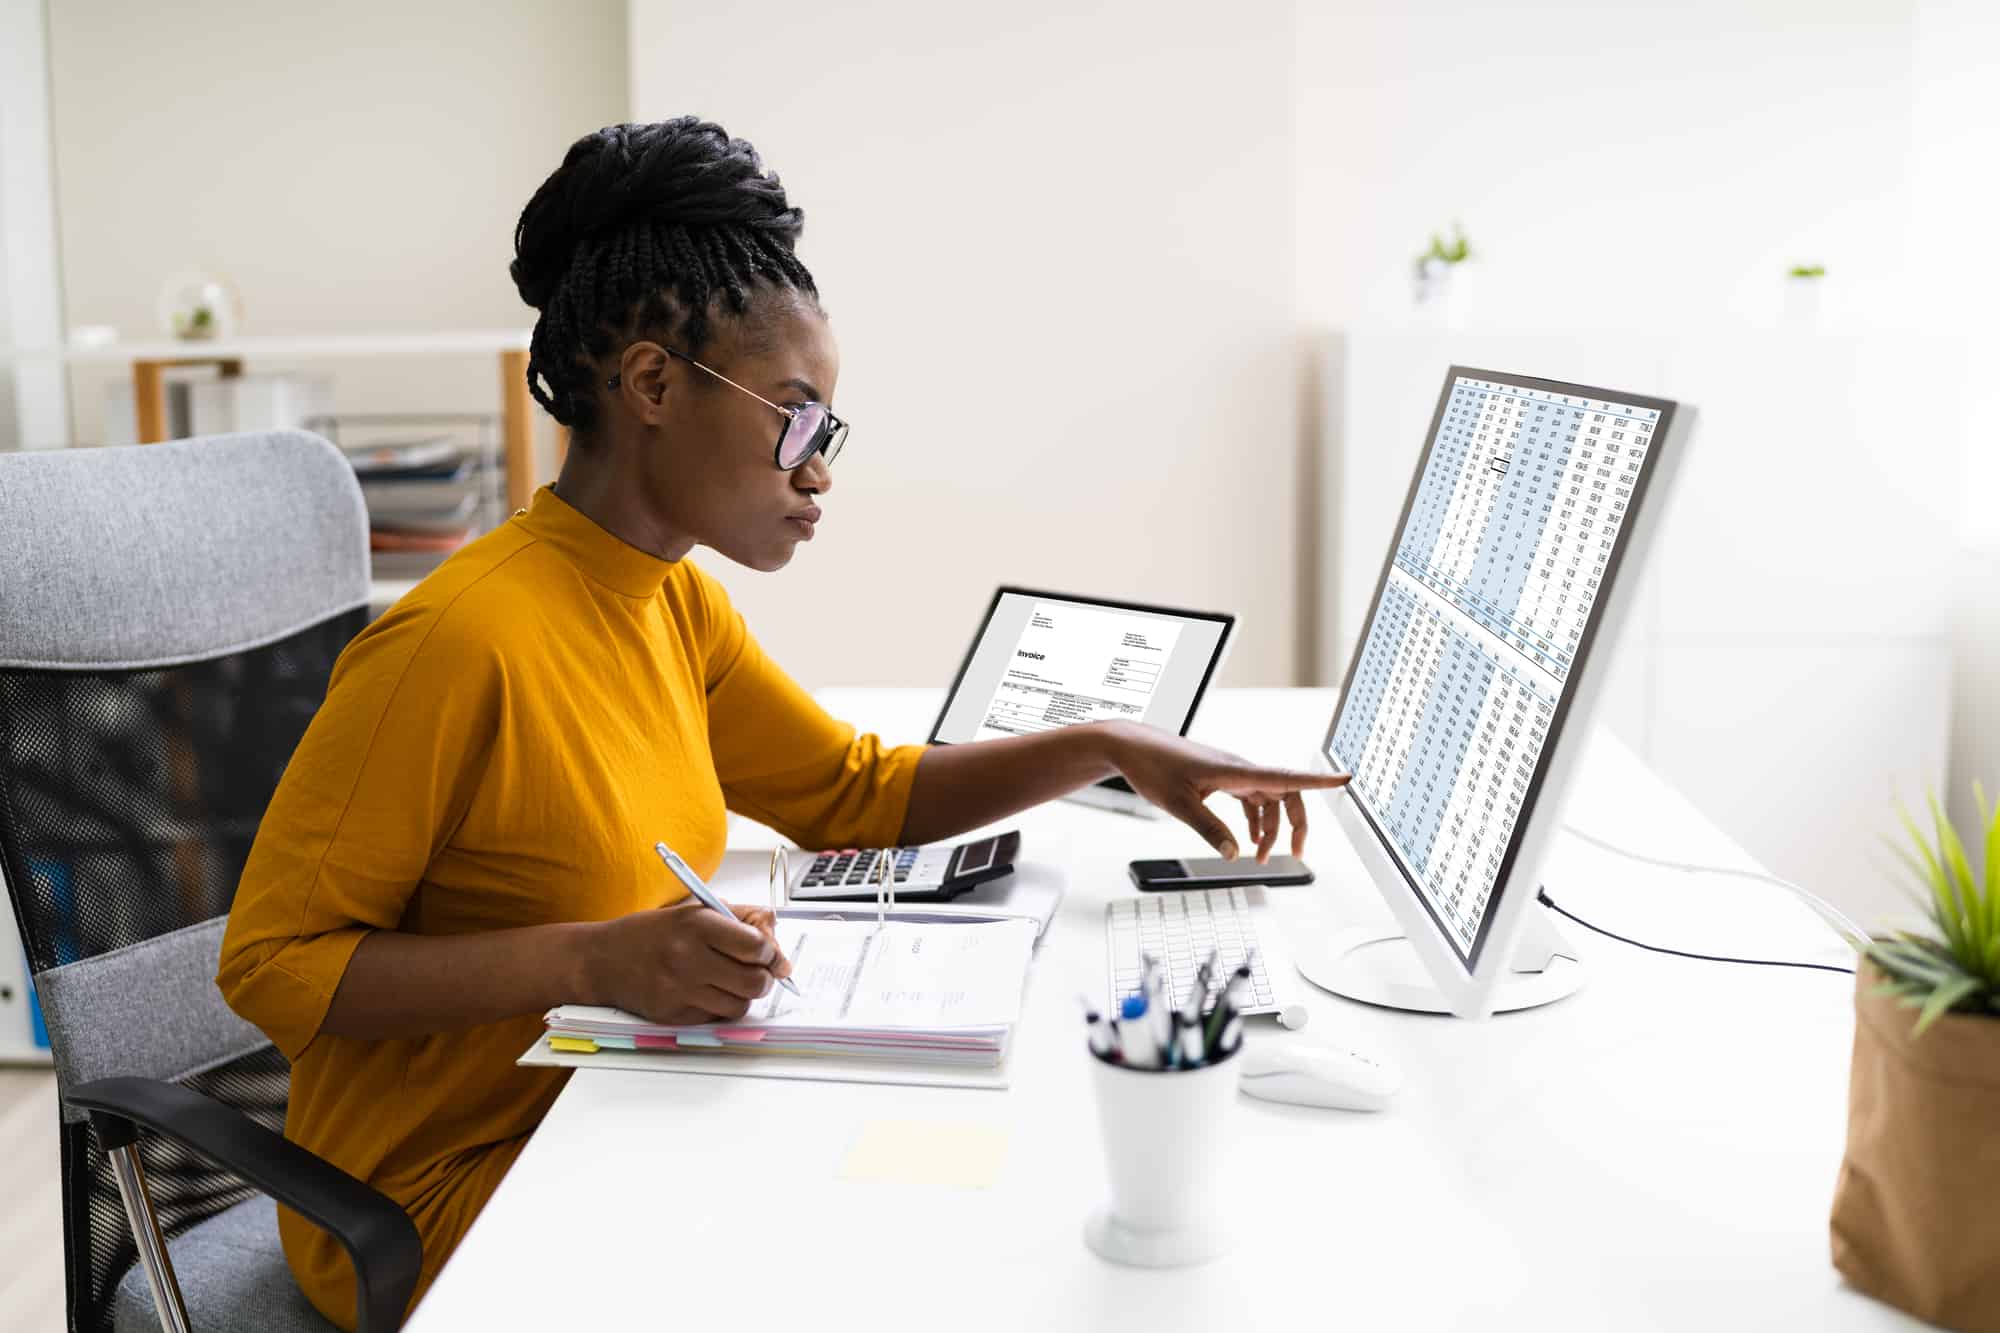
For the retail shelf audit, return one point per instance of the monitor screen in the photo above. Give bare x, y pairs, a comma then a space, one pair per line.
1468, 659
1045, 660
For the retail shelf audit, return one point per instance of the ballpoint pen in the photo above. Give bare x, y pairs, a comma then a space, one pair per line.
704, 895
1135, 1044
1100, 1034
1191, 1052
1198, 993
1227, 1004
1232, 1036
1160, 1017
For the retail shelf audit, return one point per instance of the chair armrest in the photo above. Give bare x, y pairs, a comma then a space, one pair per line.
379, 1237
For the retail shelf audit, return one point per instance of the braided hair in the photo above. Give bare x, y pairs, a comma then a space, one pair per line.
646, 227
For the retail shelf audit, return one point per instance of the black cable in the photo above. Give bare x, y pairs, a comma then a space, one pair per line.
1542, 897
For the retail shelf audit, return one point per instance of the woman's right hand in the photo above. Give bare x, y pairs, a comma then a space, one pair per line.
680, 964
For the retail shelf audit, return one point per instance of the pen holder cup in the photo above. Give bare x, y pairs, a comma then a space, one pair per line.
1167, 1142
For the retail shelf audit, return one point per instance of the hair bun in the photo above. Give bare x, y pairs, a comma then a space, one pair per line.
686, 172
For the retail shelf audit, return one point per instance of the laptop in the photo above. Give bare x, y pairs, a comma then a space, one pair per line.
1042, 660
1039, 660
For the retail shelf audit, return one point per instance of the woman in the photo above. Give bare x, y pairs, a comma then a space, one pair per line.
463, 838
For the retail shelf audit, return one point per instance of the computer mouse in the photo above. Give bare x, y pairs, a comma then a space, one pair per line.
1308, 1074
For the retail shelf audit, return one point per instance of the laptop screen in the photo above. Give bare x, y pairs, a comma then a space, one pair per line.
1044, 660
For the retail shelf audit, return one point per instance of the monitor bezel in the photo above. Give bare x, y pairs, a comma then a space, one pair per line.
1572, 686
1224, 618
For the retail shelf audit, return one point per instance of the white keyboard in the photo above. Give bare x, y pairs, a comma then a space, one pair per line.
1181, 929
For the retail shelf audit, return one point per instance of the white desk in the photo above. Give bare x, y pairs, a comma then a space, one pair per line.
1656, 1152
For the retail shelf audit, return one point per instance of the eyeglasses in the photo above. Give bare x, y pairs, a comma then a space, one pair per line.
810, 428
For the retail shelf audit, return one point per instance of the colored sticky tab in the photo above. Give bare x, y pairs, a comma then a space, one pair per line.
741, 1034
574, 1045
614, 1043
697, 1039
924, 1152
646, 1041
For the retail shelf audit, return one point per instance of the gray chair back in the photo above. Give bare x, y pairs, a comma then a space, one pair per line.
169, 615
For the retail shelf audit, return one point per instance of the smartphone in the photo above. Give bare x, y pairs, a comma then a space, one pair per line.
1212, 872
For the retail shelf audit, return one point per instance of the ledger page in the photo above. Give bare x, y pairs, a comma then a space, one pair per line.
900, 975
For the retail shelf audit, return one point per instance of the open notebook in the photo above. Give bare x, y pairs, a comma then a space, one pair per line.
910, 992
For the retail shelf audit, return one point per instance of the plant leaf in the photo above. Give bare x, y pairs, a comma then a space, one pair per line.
1942, 911
1958, 871
1991, 817
1920, 897
1911, 960
1943, 999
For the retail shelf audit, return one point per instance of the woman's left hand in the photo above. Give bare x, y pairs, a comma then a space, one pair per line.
1178, 775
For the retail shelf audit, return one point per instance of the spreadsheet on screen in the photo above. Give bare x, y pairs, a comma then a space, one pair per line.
1517, 514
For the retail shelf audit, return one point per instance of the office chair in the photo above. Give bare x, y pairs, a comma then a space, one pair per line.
169, 616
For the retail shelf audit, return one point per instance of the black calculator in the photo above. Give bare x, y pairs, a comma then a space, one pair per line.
920, 874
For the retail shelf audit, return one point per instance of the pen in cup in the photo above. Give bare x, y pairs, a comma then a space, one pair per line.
1137, 1046
1160, 1013
1227, 1004
1191, 1051
704, 895
1103, 1035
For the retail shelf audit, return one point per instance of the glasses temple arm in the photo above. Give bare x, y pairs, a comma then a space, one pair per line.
789, 412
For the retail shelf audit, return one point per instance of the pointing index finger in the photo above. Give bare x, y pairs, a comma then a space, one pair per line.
1278, 779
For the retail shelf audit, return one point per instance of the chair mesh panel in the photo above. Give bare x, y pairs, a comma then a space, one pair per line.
185, 1188
128, 803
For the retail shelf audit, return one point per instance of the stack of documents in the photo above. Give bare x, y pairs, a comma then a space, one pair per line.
927, 992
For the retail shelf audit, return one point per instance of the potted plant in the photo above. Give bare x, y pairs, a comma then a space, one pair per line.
1434, 265
1916, 1212
198, 307
1802, 288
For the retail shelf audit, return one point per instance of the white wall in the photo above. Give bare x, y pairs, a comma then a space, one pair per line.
1057, 249
1634, 180
1614, 165
1975, 754
351, 168
33, 410
1956, 194
1789, 662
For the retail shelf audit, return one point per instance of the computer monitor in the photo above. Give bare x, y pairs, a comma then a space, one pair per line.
1462, 712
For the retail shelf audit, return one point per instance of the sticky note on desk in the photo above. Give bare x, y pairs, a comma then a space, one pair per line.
926, 1152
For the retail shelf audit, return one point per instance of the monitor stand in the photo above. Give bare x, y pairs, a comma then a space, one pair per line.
1376, 965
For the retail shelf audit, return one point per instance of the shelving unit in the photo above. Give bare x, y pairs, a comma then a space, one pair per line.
149, 362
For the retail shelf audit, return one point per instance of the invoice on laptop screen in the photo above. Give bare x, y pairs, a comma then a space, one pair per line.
1044, 660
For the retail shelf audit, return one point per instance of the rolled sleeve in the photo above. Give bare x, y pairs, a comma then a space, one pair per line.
285, 987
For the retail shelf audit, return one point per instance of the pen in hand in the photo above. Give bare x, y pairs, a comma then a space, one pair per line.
705, 895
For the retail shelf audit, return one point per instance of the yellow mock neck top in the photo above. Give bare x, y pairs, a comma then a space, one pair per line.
503, 748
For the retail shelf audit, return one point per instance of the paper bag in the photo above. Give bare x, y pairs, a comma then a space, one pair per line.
1916, 1212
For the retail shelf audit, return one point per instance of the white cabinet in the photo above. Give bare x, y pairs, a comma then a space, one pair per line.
1789, 667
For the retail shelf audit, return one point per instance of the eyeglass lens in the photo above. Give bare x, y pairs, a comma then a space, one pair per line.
809, 430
